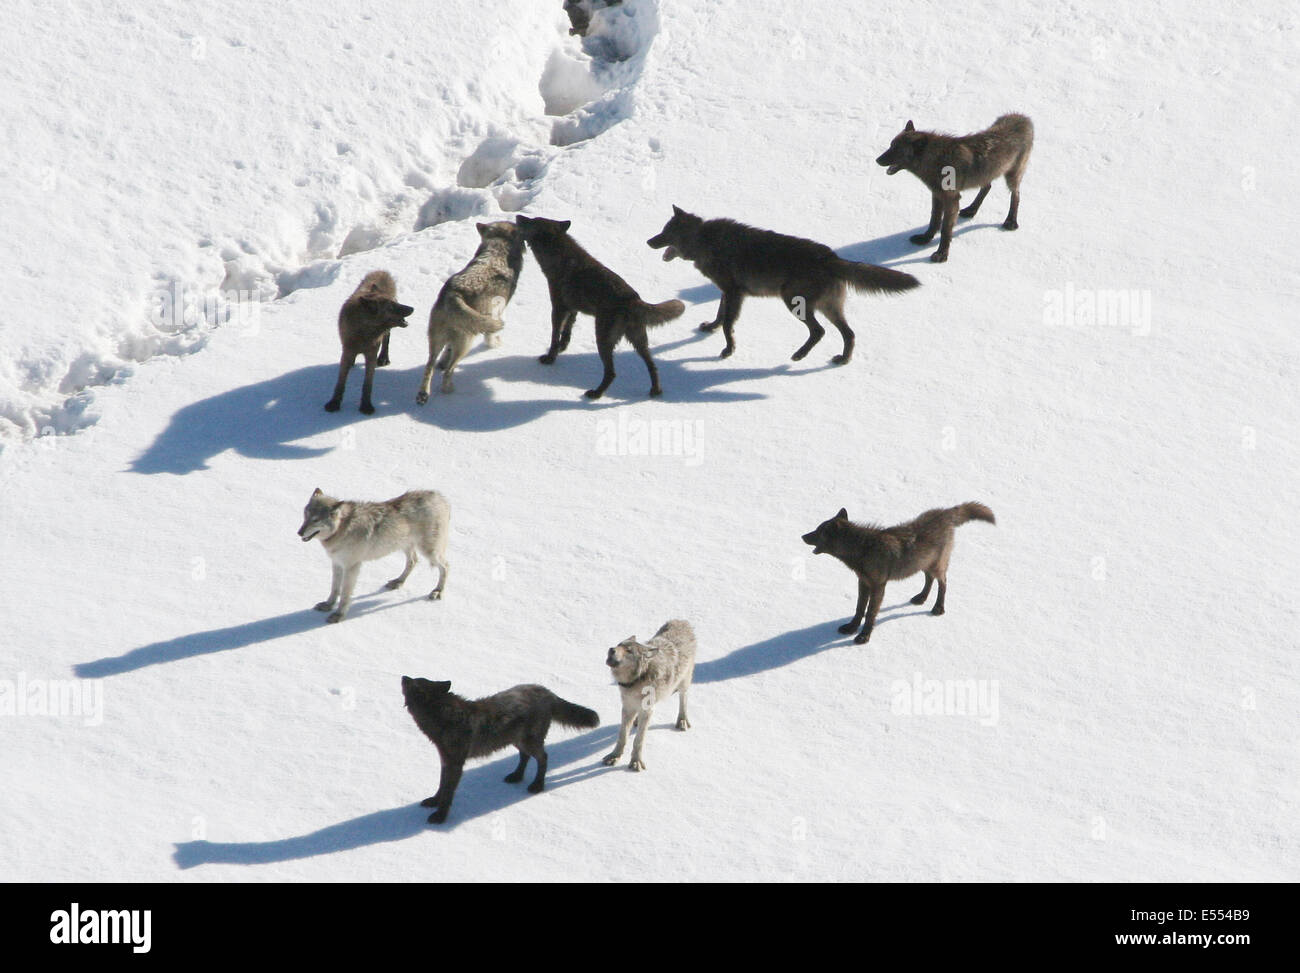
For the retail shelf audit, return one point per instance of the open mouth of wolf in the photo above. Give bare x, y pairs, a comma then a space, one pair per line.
307, 537
892, 169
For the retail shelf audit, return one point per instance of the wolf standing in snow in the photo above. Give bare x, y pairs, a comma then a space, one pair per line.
647, 674
353, 532
878, 555
744, 261
461, 729
949, 164
472, 301
364, 323
578, 282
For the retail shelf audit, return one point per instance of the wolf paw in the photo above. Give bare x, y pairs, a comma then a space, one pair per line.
1010, 225
367, 408
435, 594
920, 239
438, 816
799, 355
395, 584
656, 391
593, 393
636, 765
536, 787
610, 759
936, 610
422, 398
332, 405
547, 359
848, 628
727, 352
335, 618
841, 359
939, 257
514, 777
431, 801
382, 361
710, 325
966, 213
683, 724
919, 599
324, 606
862, 639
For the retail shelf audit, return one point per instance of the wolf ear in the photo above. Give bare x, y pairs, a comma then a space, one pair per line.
406, 680
563, 226
678, 211
842, 515
909, 127
316, 492
481, 227
442, 687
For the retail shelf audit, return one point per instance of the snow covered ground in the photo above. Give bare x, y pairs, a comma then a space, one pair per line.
192, 192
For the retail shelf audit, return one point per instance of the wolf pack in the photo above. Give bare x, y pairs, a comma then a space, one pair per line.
742, 261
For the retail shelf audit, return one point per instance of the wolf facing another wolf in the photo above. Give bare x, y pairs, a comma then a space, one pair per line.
365, 320
948, 164
647, 674
878, 555
353, 532
744, 261
462, 729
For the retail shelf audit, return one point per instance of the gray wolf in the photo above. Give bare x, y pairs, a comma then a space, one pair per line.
578, 282
878, 555
472, 301
580, 12
744, 261
647, 674
353, 532
461, 729
364, 322
949, 164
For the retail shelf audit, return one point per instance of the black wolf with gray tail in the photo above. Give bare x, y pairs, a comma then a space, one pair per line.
462, 728
578, 282
744, 261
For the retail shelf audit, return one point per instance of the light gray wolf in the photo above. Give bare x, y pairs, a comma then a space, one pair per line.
472, 302
578, 282
950, 164
355, 531
364, 322
878, 555
744, 261
461, 729
647, 674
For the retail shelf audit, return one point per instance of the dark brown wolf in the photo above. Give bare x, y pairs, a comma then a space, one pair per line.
578, 282
744, 261
461, 729
878, 555
950, 164
364, 322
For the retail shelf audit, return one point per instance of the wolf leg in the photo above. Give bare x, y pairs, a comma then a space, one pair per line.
446, 791
383, 350
345, 597
974, 207
400, 580
642, 345
877, 595
436, 345
950, 203
938, 608
682, 722
864, 593
566, 332
835, 314
516, 775
605, 341
1013, 183
559, 313
803, 309
936, 214
456, 349
345, 366
539, 754
366, 405
642, 725
629, 716
925, 592
336, 584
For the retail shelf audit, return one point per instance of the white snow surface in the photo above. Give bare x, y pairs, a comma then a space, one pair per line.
1127, 615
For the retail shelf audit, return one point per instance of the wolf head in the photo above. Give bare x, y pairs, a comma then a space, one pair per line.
827, 531
320, 518
627, 659
416, 691
537, 229
679, 235
904, 150
376, 293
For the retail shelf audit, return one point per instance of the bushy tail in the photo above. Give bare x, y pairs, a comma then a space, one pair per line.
971, 511
571, 714
662, 313
476, 320
873, 279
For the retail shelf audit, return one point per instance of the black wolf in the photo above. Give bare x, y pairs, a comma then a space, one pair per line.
744, 261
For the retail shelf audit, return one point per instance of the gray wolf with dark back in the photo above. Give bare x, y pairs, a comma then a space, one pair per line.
647, 674
461, 729
744, 261
364, 322
878, 555
950, 164
472, 302
579, 283
353, 532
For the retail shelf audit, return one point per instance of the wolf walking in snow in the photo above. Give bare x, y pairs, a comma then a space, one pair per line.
949, 164
878, 555
578, 282
353, 532
647, 674
364, 323
472, 301
744, 261
462, 729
